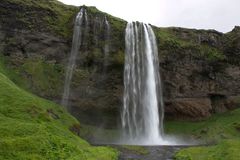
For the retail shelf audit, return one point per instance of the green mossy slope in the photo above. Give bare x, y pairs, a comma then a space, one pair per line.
39, 15
172, 42
34, 74
34, 128
226, 150
223, 130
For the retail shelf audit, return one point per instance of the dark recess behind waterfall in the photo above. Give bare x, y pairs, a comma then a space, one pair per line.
199, 68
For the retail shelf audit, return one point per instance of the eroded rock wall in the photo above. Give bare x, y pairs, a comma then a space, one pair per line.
200, 69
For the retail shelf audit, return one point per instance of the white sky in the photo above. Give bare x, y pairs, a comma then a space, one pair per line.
221, 15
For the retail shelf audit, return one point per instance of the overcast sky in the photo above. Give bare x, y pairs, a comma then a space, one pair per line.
221, 15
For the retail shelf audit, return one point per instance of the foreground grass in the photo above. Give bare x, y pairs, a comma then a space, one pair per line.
225, 150
222, 130
213, 129
33, 128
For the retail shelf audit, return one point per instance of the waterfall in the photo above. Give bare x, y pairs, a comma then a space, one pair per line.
107, 41
141, 121
96, 30
76, 42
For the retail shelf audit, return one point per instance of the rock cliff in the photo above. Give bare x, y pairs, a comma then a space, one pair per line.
200, 68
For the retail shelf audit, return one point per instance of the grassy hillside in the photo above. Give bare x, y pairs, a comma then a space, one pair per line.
222, 131
34, 128
39, 15
226, 150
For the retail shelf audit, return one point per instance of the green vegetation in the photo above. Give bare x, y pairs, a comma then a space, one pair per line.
215, 128
34, 74
34, 128
51, 15
102, 134
223, 130
117, 28
11, 73
136, 149
44, 76
211, 53
231, 45
119, 58
225, 150
170, 42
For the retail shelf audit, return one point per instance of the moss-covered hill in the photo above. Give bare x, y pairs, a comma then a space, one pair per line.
35, 42
34, 128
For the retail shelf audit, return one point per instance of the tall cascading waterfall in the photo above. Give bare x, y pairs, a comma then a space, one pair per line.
107, 41
143, 110
76, 43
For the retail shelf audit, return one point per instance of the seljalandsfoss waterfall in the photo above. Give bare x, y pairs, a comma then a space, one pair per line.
76, 42
143, 112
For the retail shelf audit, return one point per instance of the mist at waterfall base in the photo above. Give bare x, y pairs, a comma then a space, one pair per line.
143, 109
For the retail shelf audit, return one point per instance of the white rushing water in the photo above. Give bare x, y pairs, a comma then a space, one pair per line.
107, 43
76, 42
143, 112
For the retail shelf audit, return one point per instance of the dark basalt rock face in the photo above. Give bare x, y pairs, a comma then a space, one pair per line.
200, 68
190, 71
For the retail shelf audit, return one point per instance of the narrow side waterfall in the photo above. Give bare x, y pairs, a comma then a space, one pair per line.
143, 112
96, 30
107, 41
76, 42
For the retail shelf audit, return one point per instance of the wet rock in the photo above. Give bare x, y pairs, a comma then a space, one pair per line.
188, 108
204, 131
155, 153
75, 128
52, 114
218, 103
237, 126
